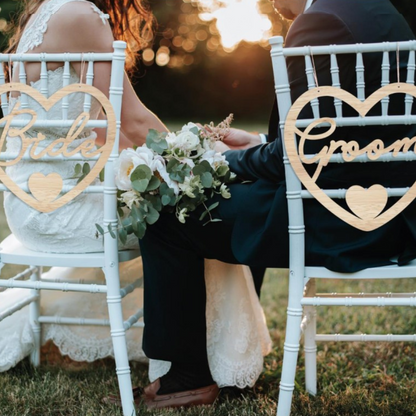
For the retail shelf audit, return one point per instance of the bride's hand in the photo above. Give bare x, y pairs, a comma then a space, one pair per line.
241, 139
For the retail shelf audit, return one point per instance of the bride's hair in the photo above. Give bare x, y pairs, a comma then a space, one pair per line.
130, 20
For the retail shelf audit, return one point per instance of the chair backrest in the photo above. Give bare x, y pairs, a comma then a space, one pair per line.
352, 103
70, 113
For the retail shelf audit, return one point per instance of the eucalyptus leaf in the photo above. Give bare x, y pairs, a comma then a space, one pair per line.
78, 169
122, 234
153, 184
141, 230
194, 130
100, 229
165, 200
140, 185
110, 230
206, 180
212, 206
86, 169
141, 172
155, 200
171, 164
212, 220
203, 215
156, 141
152, 216
136, 214
120, 212
201, 168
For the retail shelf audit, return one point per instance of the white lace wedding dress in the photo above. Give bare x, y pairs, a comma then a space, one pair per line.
237, 335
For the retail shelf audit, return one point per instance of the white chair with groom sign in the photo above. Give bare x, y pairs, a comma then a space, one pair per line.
26, 119
366, 206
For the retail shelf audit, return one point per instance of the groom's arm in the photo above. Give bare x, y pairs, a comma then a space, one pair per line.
259, 162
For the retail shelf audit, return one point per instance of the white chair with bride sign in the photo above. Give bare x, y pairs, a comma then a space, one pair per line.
31, 117
365, 204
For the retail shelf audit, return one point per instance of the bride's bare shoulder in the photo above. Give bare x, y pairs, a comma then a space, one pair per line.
77, 26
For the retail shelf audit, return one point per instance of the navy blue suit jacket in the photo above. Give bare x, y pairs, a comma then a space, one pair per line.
260, 235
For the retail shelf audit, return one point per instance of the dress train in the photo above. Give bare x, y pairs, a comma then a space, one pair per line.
237, 336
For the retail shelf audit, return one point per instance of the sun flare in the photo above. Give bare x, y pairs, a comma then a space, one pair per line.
236, 20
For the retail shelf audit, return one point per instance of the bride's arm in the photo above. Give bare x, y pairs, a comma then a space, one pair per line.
80, 29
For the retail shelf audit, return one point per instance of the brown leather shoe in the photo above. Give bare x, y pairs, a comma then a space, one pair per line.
197, 397
116, 399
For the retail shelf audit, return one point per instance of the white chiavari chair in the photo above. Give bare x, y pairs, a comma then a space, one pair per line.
302, 297
44, 197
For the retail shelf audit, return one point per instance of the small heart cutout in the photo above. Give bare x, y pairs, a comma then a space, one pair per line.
45, 188
367, 204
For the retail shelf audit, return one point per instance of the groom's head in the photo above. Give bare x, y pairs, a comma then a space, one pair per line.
289, 9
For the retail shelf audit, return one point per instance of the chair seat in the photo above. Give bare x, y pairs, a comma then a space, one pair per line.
385, 272
12, 251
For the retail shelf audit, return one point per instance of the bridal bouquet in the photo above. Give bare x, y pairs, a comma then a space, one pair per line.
174, 172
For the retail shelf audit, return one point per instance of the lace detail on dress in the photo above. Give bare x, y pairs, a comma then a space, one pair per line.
16, 336
104, 16
33, 34
237, 337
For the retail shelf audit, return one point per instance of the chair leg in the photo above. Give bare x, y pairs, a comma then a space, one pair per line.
34, 312
118, 335
291, 346
309, 342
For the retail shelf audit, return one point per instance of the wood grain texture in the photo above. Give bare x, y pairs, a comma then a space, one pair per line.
367, 205
45, 191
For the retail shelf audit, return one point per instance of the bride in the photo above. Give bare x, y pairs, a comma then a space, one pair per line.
237, 336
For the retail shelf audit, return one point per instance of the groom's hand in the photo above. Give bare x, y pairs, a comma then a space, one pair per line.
240, 139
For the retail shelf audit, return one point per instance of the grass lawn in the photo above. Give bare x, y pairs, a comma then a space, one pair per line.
353, 379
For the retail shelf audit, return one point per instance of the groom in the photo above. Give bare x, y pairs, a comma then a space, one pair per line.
254, 222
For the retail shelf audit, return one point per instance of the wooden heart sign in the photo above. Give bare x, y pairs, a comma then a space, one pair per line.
46, 191
367, 205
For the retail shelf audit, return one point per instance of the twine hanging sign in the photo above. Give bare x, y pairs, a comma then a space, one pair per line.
46, 191
367, 205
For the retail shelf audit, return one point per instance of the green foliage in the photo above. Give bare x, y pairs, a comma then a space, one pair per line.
178, 171
81, 171
192, 179
156, 141
355, 379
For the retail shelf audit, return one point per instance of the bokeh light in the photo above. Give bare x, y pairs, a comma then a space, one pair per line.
235, 21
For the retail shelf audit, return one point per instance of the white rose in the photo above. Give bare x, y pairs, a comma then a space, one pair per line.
145, 156
208, 144
160, 166
187, 141
189, 126
215, 159
123, 167
188, 161
171, 139
129, 198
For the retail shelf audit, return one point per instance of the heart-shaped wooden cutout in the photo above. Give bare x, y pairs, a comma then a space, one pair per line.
374, 199
45, 192
366, 203
45, 188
